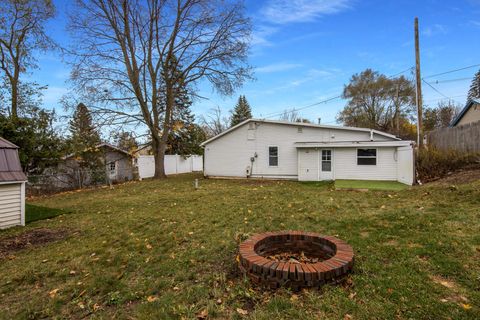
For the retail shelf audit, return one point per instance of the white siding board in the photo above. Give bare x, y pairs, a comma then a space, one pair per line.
346, 167
11, 204
405, 165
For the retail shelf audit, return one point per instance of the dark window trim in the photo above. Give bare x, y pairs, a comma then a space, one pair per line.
367, 157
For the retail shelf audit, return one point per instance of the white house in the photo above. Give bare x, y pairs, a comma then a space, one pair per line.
307, 152
12, 186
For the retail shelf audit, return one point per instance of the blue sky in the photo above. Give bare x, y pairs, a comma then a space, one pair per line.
304, 51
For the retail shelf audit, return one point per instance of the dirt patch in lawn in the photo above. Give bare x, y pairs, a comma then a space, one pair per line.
460, 177
35, 237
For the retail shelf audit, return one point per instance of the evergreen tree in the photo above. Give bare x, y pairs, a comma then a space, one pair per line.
126, 141
84, 139
241, 112
474, 92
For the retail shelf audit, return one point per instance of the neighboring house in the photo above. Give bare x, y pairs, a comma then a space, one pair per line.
470, 113
12, 186
119, 164
307, 152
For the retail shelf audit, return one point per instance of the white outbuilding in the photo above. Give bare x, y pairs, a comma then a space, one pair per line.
12, 186
308, 152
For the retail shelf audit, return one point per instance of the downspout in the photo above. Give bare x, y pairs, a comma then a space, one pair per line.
371, 134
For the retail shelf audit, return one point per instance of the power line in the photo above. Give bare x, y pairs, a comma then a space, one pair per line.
435, 89
452, 80
287, 111
451, 71
450, 98
290, 110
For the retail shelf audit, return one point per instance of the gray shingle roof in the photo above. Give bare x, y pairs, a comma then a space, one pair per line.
10, 169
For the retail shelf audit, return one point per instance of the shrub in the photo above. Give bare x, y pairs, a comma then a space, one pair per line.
433, 163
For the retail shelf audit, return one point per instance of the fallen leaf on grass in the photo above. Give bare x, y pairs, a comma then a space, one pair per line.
202, 314
294, 297
219, 301
242, 311
152, 298
96, 306
149, 246
176, 288
347, 317
466, 306
53, 293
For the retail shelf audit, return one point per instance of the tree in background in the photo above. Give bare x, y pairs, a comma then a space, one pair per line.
85, 139
22, 32
128, 51
125, 140
378, 102
241, 112
293, 116
474, 92
186, 140
40, 144
214, 122
441, 116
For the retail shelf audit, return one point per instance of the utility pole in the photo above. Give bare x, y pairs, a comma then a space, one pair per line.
419, 88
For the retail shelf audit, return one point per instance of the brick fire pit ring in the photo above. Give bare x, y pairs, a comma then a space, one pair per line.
335, 259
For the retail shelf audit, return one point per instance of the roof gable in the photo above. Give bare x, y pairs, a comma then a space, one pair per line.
299, 124
467, 107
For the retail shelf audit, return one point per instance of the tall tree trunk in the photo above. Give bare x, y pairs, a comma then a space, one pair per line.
159, 155
14, 107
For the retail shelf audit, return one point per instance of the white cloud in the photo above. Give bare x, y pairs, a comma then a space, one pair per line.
434, 30
475, 23
52, 95
277, 67
260, 35
287, 11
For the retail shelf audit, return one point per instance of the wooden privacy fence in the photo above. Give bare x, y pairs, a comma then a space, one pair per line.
465, 138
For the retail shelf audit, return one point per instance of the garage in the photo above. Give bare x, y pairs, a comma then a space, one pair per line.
12, 186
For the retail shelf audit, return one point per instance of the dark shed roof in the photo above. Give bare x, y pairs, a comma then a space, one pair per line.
10, 169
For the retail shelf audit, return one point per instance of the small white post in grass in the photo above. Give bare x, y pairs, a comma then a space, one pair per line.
196, 184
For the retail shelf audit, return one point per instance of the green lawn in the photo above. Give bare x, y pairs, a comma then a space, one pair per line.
35, 213
161, 250
370, 185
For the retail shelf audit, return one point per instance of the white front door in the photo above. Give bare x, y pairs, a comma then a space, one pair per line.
326, 164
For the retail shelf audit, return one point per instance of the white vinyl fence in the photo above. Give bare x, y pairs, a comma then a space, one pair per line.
174, 164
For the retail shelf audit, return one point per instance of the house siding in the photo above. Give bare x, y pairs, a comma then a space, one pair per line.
472, 115
229, 156
11, 205
346, 167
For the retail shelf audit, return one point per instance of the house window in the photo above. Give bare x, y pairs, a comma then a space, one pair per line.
273, 156
327, 160
300, 130
366, 157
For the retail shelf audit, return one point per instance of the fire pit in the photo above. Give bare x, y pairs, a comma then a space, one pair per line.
295, 259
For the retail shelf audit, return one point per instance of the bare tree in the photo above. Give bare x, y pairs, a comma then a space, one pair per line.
22, 31
214, 122
131, 52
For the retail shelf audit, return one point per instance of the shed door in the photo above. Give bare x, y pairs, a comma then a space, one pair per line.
10, 205
308, 161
